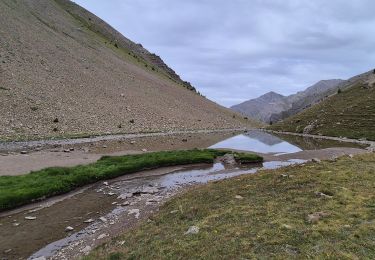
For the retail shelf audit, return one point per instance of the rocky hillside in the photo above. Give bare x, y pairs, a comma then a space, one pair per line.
348, 113
263, 107
65, 72
305, 99
273, 107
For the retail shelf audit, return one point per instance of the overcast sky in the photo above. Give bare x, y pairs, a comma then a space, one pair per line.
236, 50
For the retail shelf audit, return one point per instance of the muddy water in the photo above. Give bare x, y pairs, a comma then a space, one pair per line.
20, 238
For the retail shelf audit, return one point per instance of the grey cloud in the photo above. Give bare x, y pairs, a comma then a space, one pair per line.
237, 50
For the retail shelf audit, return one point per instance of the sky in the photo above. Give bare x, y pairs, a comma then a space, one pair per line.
232, 51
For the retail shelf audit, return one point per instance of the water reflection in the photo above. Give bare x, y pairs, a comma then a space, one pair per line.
258, 141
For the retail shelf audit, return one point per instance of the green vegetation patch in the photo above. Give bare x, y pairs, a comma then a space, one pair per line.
351, 113
19, 190
316, 211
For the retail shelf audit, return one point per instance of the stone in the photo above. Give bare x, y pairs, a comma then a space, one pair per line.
150, 190
132, 142
134, 212
144, 150
105, 183
192, 230
88, 221
239, 197
316, 160
40, 258
86, 250
103, 219
228, 159
111, 193
125, 196
30, 218
16, 224
321, 194
7, 251
316, 217
174, 211
69, 228
351, 156
286, 226
23, 152
102, 236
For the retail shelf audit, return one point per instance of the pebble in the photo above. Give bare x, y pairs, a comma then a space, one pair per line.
315, 217
102, 236
7, 251
239, 197
40, 258
192, 230
30, 218
103, 219
150, 190
69, 228
88, 221
86, 250
16, 224
105, 183
23, 152
125, 196
135, 212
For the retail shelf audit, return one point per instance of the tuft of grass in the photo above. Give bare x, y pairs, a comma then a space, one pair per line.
19, 190
269, 220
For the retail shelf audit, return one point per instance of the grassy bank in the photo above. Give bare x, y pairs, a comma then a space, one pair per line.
19, 190
269, 220
349, 114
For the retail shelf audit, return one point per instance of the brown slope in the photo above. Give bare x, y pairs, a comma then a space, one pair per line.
349, 113
54, 65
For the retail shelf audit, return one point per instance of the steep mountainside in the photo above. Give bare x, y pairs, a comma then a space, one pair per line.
305, 99
65, 72
283, 107
262, 107
349, 113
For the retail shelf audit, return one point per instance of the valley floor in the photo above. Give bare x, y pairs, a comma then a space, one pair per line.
316, 210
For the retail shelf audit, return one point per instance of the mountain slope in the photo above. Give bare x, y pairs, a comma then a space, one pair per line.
282, 107
263, 107
65, 72
350, 113
305, 99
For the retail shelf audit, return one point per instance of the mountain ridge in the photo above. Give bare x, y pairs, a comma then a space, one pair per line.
349, 112
272, 107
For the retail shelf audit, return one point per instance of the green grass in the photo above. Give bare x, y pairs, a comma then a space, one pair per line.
348, 114
19, 190
269, 222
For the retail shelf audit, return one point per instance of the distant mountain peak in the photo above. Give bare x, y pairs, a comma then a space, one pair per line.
271, 96
272, 106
